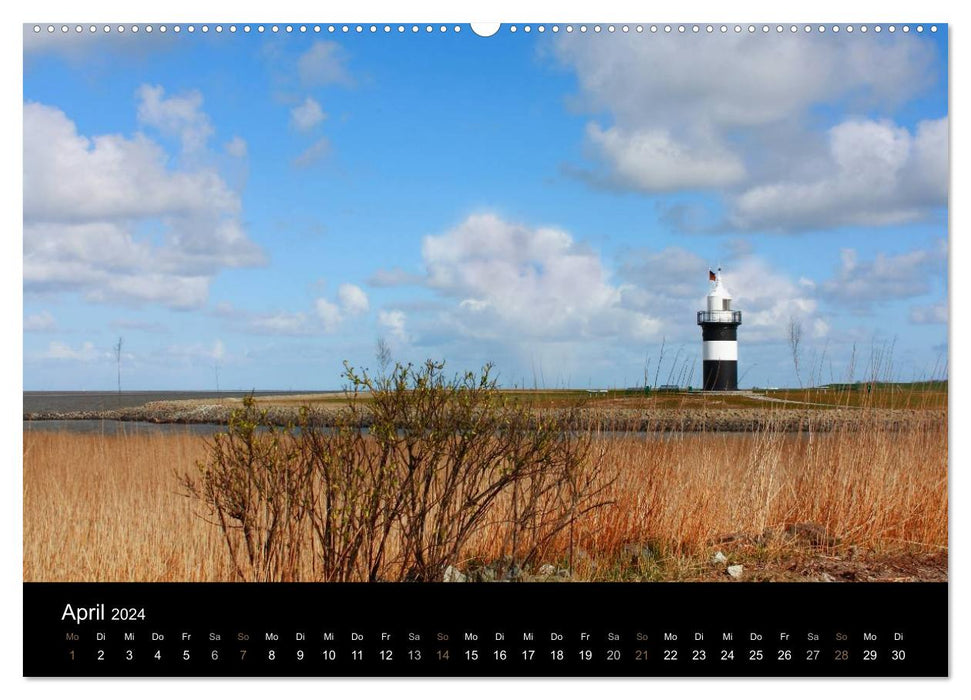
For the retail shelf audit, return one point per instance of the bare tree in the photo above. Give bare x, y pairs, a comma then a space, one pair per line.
118, 360
795, 338
382, 350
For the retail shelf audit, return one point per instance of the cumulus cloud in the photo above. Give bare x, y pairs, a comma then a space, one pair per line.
353, 300
769, 298
110, 217
177, 115
886, 277
329, 314
42, 322
878, 174
666, 282
324, 63
279, 323
534, 298
86, 352
393, 322
315, 152
68, 176
306, 115
658, 277
935, 313
513, 280
738, 79
194, 353
652, 160
236, 147
735, 112
326, 316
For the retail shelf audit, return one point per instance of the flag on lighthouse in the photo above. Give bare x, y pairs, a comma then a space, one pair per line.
711, 275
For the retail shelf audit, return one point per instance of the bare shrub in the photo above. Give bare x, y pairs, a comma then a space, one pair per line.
255, 488
398, 487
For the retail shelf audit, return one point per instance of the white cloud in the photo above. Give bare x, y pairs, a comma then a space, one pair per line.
394, 277
935, 313
394, 321
680, 112
659, 279
886, 277
178, 115
651, 160
509, 280
224, 308
670, 284
194, 354
42, 322
329, 315
315, 152
878, 174
126, 324
738, 80
58, 350
306, 115
176, 291
768, 298
513, 285
353, 300
236, 147
70, 177
280, 323
108, 216
326, 317
474, 304
324, 63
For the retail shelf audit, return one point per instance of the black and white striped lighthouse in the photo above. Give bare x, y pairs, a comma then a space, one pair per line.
719, 326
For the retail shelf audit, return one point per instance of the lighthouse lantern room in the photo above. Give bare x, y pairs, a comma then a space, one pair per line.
719, 326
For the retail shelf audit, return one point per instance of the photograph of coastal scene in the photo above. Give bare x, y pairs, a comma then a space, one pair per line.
563, 303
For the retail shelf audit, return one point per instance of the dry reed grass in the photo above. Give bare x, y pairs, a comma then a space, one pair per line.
108, 508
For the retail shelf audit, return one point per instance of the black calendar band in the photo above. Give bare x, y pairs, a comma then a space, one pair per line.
490, 629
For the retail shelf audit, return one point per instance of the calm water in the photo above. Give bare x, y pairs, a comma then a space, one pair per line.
118, 427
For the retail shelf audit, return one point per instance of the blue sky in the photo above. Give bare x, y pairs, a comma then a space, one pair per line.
268, 206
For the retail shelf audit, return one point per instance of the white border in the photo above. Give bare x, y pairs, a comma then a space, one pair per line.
449, 11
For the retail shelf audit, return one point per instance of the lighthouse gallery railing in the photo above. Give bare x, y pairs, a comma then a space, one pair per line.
720, 317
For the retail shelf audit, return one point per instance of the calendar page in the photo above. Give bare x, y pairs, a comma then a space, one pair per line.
448, 349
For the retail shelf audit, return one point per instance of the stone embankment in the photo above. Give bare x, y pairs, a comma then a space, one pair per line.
774, 417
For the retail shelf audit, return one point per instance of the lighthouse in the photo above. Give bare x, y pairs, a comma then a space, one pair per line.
719, 325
